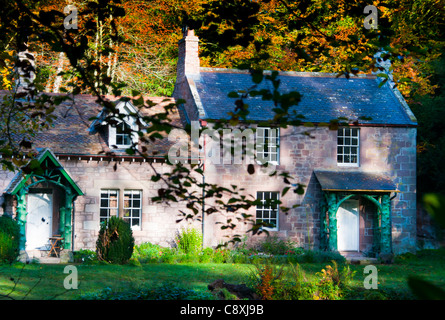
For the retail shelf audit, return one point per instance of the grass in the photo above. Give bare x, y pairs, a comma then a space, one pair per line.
38, 281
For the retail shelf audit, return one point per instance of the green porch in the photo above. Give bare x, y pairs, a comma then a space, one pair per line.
45, 195
338, 189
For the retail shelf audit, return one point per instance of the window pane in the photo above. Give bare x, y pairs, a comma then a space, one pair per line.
268, 212
133, 206
347, 145
273, 214
104, 202
103, 212
354, 150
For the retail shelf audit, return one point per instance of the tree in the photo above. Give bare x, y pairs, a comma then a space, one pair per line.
257, 33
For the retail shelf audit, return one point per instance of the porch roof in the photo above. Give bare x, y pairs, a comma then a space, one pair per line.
20, 178
354, 181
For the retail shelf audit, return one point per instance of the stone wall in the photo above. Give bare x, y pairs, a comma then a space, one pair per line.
390, 150
158, 222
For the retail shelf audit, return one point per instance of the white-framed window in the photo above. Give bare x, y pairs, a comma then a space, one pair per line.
123, 137
133, 208
129, 210
109, 204
120, 135
123, 134
267, 145
348, 147
268, 210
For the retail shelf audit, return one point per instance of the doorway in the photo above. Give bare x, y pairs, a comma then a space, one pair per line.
39, 221
348, 226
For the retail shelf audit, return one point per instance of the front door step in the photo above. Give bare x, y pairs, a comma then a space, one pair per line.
355, 257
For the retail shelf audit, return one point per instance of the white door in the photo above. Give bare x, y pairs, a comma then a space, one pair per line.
348, 226
39, 221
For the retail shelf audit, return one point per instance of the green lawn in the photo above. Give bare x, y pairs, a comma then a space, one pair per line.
38, 281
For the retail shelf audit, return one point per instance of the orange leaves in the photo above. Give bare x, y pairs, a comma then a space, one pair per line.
265, 286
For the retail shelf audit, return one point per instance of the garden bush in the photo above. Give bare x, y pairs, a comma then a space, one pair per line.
85, 256
189, 240
9, 239
273, 282
115, 242
148, 252
276, 246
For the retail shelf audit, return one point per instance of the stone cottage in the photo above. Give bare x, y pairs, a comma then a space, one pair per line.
359, 179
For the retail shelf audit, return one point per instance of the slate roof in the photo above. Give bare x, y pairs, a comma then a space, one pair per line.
70, 135
324, 97
354, 181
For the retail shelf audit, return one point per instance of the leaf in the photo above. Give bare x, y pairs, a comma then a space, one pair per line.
435, 205
382, 75
26, 144
233, 94
285, 190
257, 76
425, 290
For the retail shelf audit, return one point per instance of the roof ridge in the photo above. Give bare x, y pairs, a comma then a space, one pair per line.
290, 73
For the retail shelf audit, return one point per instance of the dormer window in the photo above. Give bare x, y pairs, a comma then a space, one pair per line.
123, 130
123, 135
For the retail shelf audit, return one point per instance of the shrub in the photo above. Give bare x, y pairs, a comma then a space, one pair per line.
319, 256
189, 240
9, 239
169, 255
206, 255
221, 255
115, 242
332, 282
147, 252
264, 278
276, 246
85, 256
278, 283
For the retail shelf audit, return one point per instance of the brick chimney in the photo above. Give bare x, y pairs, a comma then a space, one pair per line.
187, 71
188, 57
